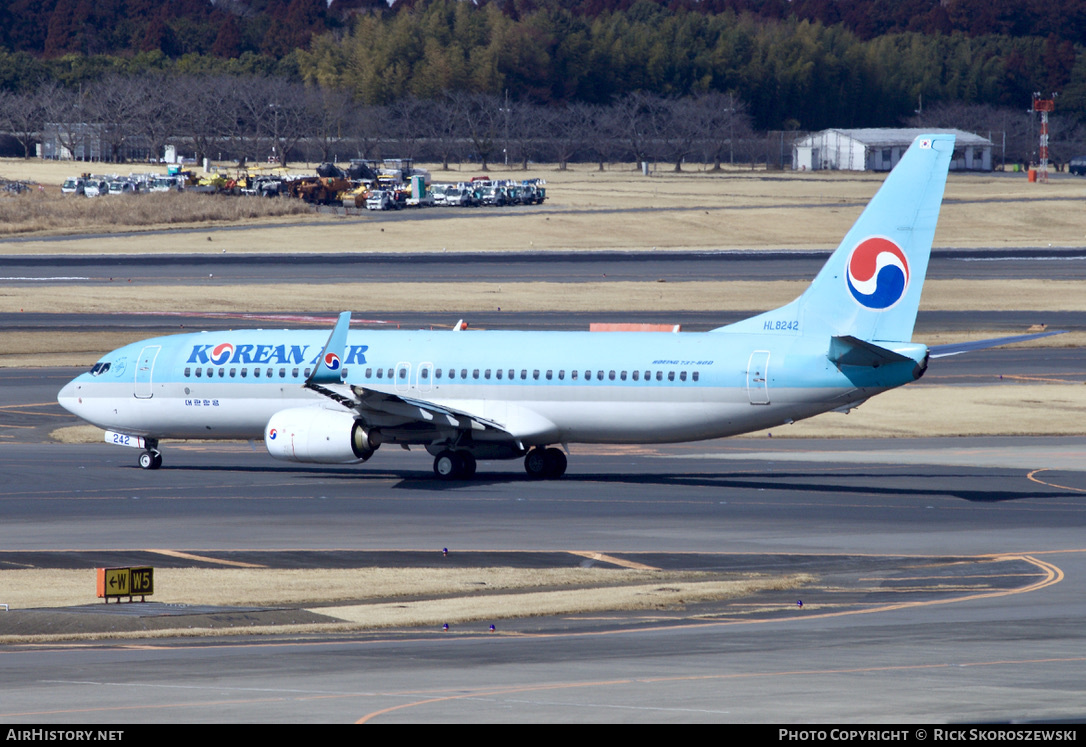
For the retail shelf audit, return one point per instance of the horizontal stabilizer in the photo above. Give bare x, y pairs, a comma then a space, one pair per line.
954, 348
846, 350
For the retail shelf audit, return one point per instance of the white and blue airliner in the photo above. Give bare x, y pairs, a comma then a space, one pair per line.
464, 396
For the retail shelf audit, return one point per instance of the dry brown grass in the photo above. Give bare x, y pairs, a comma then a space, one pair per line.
454, 595
622, 210
44, 213
454, 298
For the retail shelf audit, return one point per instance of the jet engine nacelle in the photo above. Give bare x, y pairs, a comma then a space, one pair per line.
314, 434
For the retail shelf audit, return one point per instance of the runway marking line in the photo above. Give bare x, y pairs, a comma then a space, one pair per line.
692, 678
598, 556
204, 558
1051, 575
1032, 476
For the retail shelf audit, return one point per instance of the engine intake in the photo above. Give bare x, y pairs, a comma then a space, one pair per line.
315, 434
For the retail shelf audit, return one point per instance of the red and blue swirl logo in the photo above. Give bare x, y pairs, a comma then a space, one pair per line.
332, 361
272, 434
878, 273
221, 354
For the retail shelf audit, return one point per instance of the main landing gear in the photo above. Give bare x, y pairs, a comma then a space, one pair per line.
539, 463
151, 459
545, 464
454, 465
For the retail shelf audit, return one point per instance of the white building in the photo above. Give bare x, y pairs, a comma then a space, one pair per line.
876, 149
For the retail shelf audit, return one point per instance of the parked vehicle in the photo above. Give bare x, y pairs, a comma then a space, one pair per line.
494, 195
380, 199
73, 185
121, 187
459, 197
1077, 165
96, 188
166, 184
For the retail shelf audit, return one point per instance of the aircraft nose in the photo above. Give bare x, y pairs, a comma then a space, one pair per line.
69, 397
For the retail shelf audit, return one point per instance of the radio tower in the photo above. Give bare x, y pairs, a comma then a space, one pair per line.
1044, 106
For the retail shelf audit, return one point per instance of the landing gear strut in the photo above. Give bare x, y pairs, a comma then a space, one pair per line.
454, 465
545, 464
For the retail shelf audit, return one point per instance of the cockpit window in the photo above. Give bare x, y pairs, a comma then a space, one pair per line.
99, 368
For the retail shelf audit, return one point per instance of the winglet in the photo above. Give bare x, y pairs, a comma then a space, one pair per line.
330, 363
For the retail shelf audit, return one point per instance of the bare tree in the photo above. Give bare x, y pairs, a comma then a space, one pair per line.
722, 119
202, 108
331, 125
23, 115
640, 119
439, 127
157, 118
479, 115
114, 105
65, 120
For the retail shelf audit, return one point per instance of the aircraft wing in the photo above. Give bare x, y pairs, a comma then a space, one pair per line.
956, 348
370, 402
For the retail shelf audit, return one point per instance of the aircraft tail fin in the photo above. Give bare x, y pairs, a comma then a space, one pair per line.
870, 287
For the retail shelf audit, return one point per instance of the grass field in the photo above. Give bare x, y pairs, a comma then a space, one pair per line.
586, 209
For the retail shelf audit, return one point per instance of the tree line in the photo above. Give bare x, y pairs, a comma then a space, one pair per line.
259, 117
798, 64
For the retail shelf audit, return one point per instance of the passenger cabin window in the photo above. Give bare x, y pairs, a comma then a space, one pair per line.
694, 376
671, 376
535, 374
682, 375
550, 374
380, 373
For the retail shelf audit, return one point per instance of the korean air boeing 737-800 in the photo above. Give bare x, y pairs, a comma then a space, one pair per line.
315, 397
